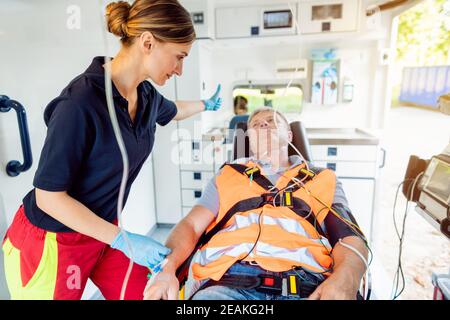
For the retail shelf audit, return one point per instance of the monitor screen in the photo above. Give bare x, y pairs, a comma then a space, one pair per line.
438, 184
277, 19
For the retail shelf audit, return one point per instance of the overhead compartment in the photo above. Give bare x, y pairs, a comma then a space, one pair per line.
320, 16
256, 21
202, 13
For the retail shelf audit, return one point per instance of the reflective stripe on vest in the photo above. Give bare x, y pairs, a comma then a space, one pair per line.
288, 225
286, 238
261, 250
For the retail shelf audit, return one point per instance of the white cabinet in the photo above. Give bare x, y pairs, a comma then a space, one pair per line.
190, 196
195, 179
360, 196
196, 155
166, 174
196, 83
313, 16
357, 168
250, 21
344, 152
183, 162
237, 22
350, 168
202, 13
201, 160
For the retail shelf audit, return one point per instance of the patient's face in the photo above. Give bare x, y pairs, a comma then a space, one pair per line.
267, 136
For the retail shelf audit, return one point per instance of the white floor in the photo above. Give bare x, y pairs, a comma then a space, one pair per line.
161, 233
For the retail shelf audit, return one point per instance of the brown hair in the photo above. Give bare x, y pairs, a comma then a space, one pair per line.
167, 20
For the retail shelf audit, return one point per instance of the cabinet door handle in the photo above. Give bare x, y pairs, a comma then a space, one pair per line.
331, 165
197, 176
384, 158
14, 167
332, 151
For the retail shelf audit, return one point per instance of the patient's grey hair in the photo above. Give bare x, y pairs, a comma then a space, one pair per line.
267, 109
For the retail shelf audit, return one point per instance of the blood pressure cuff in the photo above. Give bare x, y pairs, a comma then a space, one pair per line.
335, 228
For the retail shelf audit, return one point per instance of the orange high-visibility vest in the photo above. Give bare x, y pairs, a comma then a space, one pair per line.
287, 235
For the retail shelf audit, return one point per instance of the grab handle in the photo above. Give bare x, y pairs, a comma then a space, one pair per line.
384, 158
14, 167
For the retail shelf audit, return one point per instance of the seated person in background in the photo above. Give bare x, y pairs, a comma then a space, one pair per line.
288, 231
240, 105
240, 111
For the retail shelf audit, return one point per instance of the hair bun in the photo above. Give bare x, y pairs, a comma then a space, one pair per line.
116, 18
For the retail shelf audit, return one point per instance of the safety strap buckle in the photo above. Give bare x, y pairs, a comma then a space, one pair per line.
288, 286
270, 284
303, 172
287, 198
269, 197
252, 172
291, 286
284, 198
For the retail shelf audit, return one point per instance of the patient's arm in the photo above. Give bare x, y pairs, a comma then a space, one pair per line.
185, 235
348, 271
182, 241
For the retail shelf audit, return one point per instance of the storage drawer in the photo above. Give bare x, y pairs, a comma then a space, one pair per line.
344, 152
195, 179
196, 155
190, 196
186, 211
244, 18
350, 168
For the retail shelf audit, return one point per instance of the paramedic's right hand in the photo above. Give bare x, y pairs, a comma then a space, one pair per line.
146, 251
165, 287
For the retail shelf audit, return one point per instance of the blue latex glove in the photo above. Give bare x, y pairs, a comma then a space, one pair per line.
213, 103
146, 251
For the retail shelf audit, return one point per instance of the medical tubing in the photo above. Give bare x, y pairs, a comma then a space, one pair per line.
352, 225
395, 292
342, 243
292, 145
123, 152
349, 223
286, 89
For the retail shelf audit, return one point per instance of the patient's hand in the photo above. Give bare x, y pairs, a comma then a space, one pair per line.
335, 288
165, 287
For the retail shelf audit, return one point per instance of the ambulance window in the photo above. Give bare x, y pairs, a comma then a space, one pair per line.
275, 96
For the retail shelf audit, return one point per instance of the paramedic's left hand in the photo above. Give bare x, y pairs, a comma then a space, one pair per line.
213, 103
335, 288
165, 287
146, 251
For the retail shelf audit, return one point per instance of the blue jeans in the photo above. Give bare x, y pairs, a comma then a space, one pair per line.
219, 292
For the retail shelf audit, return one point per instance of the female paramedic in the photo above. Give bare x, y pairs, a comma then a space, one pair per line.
66, 230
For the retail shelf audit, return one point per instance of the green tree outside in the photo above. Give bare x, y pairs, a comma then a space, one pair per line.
423, 38
424, 34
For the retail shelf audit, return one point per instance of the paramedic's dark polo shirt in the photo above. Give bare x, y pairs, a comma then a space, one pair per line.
80, 153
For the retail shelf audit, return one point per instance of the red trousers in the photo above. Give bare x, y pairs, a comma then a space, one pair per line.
45, 265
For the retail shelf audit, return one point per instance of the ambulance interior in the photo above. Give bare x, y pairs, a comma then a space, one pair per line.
333, 65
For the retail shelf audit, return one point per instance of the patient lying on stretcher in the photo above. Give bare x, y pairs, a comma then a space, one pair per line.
276, 228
